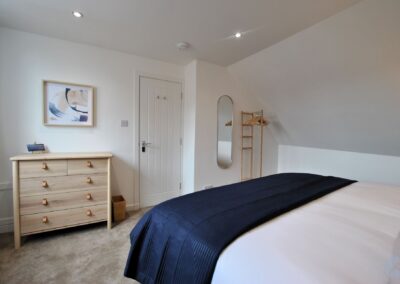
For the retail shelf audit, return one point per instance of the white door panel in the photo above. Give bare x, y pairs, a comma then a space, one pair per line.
160, 129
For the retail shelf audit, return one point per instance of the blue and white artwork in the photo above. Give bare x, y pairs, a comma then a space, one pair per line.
68, 104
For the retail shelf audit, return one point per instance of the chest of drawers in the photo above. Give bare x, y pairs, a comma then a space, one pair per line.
57, 190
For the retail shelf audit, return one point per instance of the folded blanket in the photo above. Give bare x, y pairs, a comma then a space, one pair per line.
180, 240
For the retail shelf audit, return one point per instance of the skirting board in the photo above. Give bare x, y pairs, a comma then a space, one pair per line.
5, 186
6, 223
132, 207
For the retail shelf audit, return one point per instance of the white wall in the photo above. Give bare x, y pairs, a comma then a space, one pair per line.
359, 166
189, 129
26, 59
212, 82
335, 85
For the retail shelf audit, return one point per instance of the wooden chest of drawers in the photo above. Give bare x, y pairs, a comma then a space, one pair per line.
56, 191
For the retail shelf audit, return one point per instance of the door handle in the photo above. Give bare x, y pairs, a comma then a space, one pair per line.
144, 145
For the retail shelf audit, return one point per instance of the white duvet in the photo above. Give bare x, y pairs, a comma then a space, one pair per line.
349, 236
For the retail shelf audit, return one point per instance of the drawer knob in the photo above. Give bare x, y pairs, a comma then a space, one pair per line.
89, 213
89, 164
89, 196
44, 166
89, 180
45, 184
45, 220
45, 202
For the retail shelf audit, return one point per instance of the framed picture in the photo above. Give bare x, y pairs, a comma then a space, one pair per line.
67, 104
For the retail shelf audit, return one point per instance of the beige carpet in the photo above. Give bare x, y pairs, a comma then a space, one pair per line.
88, 254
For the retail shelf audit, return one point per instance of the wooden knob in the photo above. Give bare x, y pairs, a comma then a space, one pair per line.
45, 184
45, 202
89, 212
45, 220
89, 196
89, 164
44, 166
88, 180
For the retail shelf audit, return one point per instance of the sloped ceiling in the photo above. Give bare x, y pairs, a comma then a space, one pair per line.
335, 85
151, 28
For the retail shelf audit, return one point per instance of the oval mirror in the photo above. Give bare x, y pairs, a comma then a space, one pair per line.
224, 137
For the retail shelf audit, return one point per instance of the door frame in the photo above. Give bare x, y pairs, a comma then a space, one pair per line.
136, 133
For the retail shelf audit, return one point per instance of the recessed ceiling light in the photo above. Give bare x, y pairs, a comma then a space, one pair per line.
238, 35
183, 45
77, 14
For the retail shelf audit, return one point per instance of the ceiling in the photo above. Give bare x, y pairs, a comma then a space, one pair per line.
151, 28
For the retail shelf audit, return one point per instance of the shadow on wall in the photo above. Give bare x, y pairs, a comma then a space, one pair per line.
3, 158
393, 264
277, 129
122, 179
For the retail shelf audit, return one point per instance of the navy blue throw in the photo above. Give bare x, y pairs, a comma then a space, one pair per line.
180, 240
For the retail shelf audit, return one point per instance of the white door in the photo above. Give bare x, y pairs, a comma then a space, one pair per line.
160, 140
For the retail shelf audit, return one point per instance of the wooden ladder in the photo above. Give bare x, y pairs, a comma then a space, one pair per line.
247, 143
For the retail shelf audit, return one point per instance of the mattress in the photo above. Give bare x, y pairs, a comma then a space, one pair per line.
349, 236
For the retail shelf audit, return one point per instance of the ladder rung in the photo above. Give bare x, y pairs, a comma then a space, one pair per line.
247, 136
248, 113
247, 148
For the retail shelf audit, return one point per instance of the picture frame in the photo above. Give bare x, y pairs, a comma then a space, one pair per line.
68, 104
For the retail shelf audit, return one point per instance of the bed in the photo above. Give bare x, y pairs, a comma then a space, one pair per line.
350, 234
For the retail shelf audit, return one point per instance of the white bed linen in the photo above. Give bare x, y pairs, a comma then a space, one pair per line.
349, 236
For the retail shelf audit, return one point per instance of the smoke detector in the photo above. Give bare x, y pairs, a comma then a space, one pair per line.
182, 45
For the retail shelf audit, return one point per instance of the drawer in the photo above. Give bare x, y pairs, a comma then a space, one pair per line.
61, 201
62, 219
28, 169
87, 166
38, 186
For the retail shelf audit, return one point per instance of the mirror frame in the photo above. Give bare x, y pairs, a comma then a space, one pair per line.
229, 164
